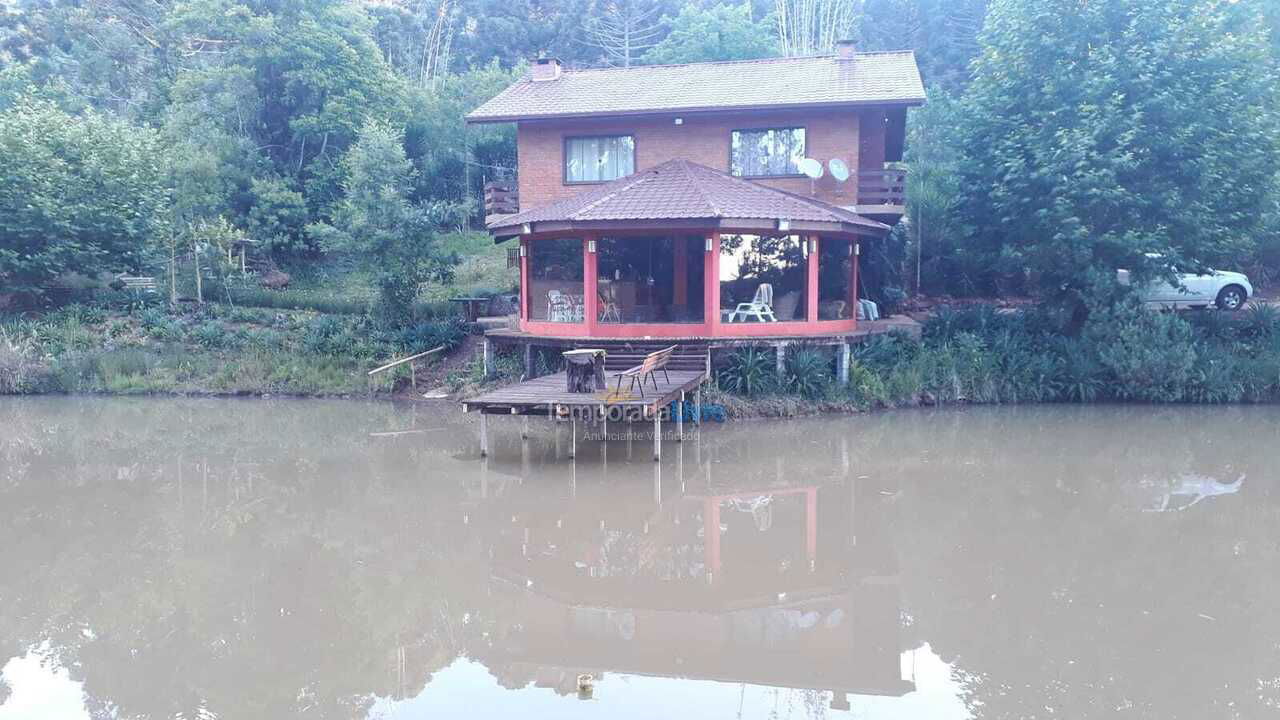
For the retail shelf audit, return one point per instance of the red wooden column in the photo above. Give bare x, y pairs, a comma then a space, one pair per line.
590, 281
711, 284
524, 278
811, 292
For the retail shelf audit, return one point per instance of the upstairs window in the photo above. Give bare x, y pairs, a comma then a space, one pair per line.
769, 152
599, 159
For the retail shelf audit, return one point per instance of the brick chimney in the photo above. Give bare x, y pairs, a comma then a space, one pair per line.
546, 69
846, 49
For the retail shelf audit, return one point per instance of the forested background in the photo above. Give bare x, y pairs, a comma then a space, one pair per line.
1063, 138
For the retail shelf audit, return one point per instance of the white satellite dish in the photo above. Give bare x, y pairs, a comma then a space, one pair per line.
839, 170
812, 168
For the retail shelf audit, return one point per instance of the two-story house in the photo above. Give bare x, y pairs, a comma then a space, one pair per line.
721, 200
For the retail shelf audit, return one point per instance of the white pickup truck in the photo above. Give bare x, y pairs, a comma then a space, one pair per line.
1228, 290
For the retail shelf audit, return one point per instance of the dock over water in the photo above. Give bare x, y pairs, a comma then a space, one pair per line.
549, 396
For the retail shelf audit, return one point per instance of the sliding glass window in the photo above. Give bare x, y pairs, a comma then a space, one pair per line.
555, 280
763, 278
650, 279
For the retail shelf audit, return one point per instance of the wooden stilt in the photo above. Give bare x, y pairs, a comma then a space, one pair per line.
484, 434
697, 406
680, 418
573, 435
657, 484
657, 436
524, 428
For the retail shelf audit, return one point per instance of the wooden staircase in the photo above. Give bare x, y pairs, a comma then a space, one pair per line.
623, 354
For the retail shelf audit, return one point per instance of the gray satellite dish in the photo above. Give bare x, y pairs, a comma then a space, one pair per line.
839, 170
812, 168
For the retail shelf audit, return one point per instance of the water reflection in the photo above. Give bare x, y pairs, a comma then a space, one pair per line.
199, 558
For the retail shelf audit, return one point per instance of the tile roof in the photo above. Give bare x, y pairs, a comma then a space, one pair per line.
865, 78
684, 190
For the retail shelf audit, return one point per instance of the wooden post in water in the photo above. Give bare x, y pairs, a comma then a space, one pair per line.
484, 434
657, 435
573, 436
680, 418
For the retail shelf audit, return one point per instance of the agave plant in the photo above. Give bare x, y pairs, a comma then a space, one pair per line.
749, 371
808, 373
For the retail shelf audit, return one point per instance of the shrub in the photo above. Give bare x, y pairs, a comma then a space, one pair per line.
808, 373
1261, 322
866, 388
20, 368
327, 335
210, 335
1215, 378
882, 352
749, 371
1146, 355
428, 335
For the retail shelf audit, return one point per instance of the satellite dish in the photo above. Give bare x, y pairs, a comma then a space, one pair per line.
839, 170
812, 168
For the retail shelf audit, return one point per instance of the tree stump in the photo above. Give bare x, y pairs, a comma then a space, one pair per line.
584, 370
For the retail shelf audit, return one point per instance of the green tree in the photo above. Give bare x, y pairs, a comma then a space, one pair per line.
719, 32
379, 221
1095, 134
78, 193
278, 215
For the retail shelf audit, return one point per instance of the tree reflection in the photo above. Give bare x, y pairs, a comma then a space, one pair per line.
189, 557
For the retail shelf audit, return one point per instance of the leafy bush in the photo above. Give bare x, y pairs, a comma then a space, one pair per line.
749, 371
1146, 355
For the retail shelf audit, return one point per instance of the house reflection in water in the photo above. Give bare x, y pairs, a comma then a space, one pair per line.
742, 579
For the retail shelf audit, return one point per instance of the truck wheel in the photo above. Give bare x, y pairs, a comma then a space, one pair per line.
1231, 297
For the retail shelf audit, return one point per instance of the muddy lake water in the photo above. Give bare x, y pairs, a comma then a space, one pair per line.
205, 558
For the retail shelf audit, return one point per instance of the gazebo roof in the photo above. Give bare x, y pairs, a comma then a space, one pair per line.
683, 194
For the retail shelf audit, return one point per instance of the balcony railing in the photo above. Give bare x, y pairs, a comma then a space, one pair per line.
882, 187
501, 198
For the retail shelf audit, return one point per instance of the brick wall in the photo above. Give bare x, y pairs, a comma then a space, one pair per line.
702, 139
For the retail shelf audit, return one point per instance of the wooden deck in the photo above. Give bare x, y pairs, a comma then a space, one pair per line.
549, 395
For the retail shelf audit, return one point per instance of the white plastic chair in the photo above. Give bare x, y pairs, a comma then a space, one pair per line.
559, 307
760, 307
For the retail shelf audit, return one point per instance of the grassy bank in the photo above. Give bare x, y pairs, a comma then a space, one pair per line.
974, 355
209, 349
980, 355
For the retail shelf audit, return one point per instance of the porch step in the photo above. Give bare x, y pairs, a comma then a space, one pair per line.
627, 354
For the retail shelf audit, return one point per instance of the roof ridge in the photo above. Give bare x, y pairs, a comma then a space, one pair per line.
748, 61
687, 166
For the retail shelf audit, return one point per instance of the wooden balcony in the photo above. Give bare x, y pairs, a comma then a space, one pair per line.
882, 194
500, 200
